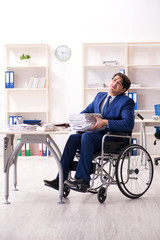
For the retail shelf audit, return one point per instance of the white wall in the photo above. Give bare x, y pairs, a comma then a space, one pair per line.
73, 22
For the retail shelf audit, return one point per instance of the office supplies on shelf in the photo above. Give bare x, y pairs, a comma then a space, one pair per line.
134, 151
44, 150
110, 62
133, 95
18, 141
27, 149
9, 79
23, 150
40, 149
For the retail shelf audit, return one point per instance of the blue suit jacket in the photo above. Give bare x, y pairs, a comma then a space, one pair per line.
120, 112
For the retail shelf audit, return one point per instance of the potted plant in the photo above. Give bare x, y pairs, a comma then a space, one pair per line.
25, 58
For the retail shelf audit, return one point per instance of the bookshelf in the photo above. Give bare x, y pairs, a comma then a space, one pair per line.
141, 62
22, 99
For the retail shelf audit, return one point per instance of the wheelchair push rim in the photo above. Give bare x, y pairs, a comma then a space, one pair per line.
134, 171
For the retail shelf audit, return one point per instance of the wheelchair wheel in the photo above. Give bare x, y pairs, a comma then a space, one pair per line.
101, 195
134, 171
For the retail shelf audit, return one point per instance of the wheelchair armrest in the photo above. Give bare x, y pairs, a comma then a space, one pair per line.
122, 135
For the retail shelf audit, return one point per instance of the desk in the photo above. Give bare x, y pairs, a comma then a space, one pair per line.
10, 154
146, 123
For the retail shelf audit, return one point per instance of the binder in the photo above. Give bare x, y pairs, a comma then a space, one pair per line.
40, 149
7, 85
10, 121
134, 151
27, 149
23, 150
18, 141
49, 152
133, 95
122, 71
44, 150
11, 79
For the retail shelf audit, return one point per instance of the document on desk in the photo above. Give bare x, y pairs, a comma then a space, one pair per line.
22, 127
82, 122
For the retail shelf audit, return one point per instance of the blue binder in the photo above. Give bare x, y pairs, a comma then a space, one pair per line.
134, 151
44, 150
133, 95
7, 85
9, 79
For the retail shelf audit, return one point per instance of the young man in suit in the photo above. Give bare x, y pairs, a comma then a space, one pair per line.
118, 116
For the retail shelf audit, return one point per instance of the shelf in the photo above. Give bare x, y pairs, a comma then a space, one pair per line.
143, 66
145, 88
103, 66
27, 102
25, 89
25, 66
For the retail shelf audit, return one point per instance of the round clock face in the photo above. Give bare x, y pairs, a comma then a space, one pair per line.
63, 53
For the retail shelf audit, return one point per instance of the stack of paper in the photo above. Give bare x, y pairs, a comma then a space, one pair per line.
82, 122
22, 127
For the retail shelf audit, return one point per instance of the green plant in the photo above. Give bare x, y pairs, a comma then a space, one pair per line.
27, 56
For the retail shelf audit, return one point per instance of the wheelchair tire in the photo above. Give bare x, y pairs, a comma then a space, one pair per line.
134, 171
101, 195
66, 191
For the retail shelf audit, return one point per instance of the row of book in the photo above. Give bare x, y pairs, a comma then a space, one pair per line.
36, 82
33, 82
133, 95
25, 150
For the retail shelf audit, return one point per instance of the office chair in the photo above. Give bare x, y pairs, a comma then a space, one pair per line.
157, 133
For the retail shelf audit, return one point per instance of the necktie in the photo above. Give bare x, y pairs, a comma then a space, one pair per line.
107, 103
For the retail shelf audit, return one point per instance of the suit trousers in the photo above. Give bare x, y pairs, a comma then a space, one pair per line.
88, 143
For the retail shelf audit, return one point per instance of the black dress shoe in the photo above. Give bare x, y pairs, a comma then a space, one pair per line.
78, 185
53, 184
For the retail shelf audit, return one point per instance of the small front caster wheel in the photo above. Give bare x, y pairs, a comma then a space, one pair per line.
102, 195
66, 191
156, 162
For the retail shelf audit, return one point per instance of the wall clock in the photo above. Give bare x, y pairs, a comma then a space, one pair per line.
63, 53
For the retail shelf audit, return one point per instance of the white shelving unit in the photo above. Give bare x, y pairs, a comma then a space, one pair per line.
30, 103
141, 62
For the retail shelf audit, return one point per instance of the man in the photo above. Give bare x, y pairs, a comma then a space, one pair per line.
118, 116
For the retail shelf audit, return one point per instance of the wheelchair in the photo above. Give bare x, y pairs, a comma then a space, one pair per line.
121, 163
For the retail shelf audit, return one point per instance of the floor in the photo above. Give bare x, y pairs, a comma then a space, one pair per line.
34, 212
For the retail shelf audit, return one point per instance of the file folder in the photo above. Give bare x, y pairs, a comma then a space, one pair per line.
133, 95
134, 151
27, 149
7, 85
18, 141
40, 149
23, 150
11, 79
44, 150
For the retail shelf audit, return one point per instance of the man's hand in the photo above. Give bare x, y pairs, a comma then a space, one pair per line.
99, 123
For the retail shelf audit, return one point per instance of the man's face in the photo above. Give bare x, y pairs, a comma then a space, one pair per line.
116, 87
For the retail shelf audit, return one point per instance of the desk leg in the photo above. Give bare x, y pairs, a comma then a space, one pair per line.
12, 159
59, 169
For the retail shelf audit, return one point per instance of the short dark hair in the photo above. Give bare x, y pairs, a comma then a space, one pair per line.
126, 83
